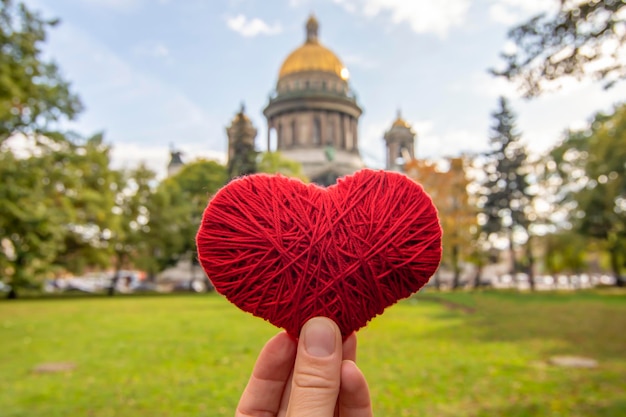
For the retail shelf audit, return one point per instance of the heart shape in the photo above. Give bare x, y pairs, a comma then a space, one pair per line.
288, 251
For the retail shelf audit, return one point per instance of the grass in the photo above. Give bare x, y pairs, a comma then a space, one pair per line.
191, 356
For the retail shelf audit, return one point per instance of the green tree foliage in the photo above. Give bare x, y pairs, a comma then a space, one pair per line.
187, 194
91, 189
566, 252
32, 93
55, 205
583, 38
275, 163
505, 196
130, 226
164, 241
591, 166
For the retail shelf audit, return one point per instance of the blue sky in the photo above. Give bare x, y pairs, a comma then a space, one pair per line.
157, 72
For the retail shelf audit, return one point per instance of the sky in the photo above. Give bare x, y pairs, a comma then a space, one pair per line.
156, 74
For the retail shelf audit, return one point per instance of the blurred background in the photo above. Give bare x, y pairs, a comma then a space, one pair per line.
120, 120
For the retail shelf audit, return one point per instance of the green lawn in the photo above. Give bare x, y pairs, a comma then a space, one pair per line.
191, 356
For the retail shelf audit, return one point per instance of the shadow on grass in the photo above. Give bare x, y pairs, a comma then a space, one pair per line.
585, 323
103, 296
610, 409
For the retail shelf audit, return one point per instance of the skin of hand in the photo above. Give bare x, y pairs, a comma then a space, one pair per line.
313, 377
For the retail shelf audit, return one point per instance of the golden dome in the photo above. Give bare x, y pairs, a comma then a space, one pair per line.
400, 122
312, 56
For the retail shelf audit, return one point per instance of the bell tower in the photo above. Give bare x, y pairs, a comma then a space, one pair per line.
241, 151
399, 143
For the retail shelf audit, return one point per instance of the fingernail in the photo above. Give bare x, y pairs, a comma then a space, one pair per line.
319, 338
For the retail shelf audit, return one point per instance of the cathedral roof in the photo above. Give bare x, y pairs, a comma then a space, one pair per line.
400, 122
313, 56
241, 116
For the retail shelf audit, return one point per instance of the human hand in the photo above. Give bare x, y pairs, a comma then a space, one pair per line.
316, 378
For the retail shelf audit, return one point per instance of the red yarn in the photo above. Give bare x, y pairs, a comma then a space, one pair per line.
287, 251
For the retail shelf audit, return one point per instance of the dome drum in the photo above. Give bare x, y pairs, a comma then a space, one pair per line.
312, 81
311, 129
285, 104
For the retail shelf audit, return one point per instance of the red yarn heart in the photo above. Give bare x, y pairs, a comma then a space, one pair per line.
288, 251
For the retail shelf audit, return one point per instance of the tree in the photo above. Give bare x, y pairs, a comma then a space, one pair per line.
55, 207
448, 190
33, 214
134, 190
505, 195
91, 188
192, 187
32, 93
275, 163
241, 134
565, 251
166, 238
583, 38
591, 166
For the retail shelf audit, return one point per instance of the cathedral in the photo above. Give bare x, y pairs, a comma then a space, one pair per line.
313, 117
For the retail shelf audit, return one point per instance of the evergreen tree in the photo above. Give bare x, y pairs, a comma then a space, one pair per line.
505, 193
243, 160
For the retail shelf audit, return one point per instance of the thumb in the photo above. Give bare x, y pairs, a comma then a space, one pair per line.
317, 371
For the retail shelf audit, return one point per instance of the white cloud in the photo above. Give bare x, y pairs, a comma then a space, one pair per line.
423, 16
251, 27
511, 12
156, 157
432, 143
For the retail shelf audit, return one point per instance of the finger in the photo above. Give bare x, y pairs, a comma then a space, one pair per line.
354, 394
316, 373
349, 348
265, 388
282, 410
349, 352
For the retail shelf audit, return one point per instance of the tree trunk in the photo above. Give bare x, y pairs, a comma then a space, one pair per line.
455, 267
615, 267
436, 280
531, 264
478, 276
116, 275
512, 255
19, 278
